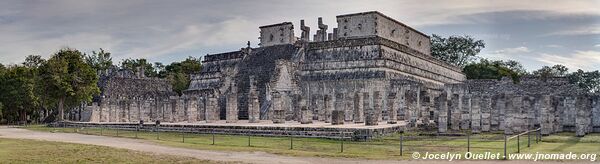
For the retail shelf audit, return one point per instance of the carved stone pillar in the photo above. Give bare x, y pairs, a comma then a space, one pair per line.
192, 109
358, 108
328, 102
442, 106
305, 113
278, 111
392, 108
212, 108
475, 114
582, 121
337, 117
253, 104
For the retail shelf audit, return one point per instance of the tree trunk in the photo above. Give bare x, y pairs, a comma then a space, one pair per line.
23, 116
61, 110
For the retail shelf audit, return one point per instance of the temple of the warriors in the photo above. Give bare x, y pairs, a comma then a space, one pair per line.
368, 71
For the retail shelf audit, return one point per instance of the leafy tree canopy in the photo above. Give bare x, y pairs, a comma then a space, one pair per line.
100, 60
456, 50
178, 73
136, 64
489, 69
17, 91
554, 71
589, 81
69, 79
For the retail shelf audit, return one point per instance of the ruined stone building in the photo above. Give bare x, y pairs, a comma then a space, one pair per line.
370, 69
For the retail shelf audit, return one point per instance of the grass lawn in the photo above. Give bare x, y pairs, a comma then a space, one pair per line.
383, 148
33, 151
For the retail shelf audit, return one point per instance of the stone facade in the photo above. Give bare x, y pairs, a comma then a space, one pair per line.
371, 69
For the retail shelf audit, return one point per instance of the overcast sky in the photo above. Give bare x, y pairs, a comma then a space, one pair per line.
536, 33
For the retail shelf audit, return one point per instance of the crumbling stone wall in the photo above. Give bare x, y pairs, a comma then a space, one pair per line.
552, 104
371, 70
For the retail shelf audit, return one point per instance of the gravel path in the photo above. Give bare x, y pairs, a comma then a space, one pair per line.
245, 157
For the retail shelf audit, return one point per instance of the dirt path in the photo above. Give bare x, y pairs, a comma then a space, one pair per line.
147, 146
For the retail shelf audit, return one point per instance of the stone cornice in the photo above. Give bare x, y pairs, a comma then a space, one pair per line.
375, 40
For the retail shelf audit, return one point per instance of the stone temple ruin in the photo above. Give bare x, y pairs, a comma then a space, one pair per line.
370, 70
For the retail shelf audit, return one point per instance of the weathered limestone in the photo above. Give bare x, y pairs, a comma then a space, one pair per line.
583, 118
372, 117
212, 109
305, 113
454, 106
232, 106
442, 106
305, 36
322, 32
328, 108
253, 105
547, 119
475, 114
359, 108
278, 112
392, 109
192, 109
372, 73
337, 117
486, 107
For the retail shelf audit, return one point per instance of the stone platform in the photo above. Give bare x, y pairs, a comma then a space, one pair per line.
263, 128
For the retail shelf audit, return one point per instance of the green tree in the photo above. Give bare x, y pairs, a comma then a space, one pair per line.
100, 60
456, 50
589, 81
17, 92
2, 68
34, 62
487, 69
69, 79
178, 73
554, 71
134, 64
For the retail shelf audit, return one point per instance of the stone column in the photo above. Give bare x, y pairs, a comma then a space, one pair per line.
319, 107
253, 104
305, 113
486, 107
337, 117
278, 112
475, 114
231, 108
442, 106
201, 113
358, 108
373, 114
582, 121
401, 109
455, 111
392, 108
339, 103
212, 109
192, 110
328, 102
465, 121
349, 110
596, 114
546, 115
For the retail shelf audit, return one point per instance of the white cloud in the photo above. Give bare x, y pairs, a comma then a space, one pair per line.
597, 45
586, 60
515, 50
589, 30
554, 46
160, 28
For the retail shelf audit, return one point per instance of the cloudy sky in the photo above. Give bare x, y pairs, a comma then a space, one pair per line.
535, 33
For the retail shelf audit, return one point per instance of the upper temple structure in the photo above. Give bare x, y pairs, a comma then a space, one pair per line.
370, 69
